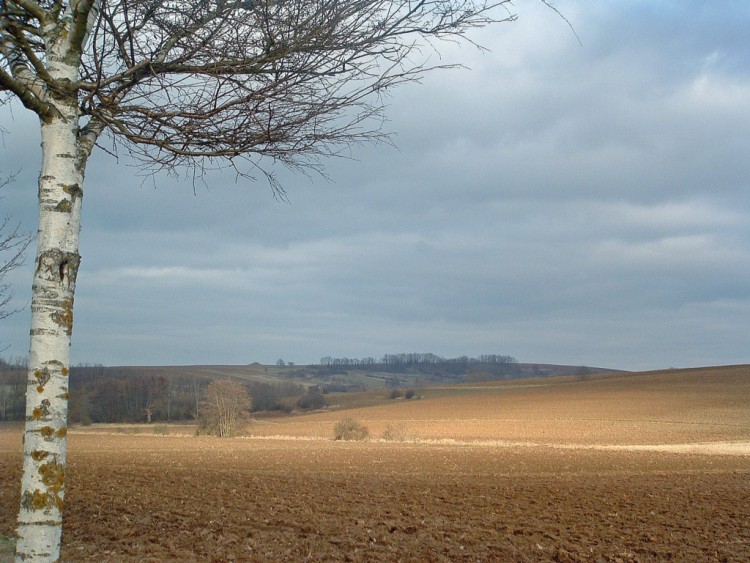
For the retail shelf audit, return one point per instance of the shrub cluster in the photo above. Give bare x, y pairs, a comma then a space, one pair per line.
397, 394
350, 429
311, 400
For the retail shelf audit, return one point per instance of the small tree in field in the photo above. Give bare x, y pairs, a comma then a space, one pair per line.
225, 405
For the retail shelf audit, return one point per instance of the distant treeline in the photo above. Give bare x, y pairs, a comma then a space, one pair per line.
99, 394
132, 394
104, 394
486, 366
12, 388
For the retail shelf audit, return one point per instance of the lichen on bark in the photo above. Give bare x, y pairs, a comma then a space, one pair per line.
39, 455
53, 476
64, 318
42, 376
42, 411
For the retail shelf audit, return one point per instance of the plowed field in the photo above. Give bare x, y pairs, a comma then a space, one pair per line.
149, 497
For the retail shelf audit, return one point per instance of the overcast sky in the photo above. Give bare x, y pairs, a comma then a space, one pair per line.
584, 204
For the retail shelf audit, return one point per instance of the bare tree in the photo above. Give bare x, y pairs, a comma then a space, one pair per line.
201, 84
225, 404
13, 245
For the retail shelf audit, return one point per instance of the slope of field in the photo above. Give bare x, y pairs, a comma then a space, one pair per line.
267, 374
349, 375
656, 408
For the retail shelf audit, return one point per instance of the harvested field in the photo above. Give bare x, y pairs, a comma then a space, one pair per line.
669, 407
527, 492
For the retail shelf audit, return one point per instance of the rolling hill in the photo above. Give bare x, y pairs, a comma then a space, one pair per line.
663, 407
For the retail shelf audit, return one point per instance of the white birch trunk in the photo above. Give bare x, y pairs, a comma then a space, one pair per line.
65, 150
43, 483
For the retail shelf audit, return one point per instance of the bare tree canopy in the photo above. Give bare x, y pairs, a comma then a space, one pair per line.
184, 83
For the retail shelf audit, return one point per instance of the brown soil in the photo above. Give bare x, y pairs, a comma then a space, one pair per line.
178, 498
646, 467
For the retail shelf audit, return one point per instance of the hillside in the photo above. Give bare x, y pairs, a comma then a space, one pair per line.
353, 377
662, 407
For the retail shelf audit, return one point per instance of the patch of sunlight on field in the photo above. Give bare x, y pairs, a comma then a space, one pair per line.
679, 407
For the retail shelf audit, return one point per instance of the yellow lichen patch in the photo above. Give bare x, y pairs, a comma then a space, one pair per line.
42, 376
65, 318
64, 371
53, 475
39, 500
39, 455
41, 411
62, 432
46, 432
36, 500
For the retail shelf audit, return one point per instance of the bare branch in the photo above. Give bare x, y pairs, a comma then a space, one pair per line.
566, 20
27, 92
21, 69
291, 81
29, 52
13, 245
33, 9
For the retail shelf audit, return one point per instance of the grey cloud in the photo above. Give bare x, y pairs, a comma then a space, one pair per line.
569, 203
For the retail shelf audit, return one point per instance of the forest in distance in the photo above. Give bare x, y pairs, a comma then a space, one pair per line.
130, 394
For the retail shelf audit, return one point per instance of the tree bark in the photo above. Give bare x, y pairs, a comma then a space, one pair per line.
60, 195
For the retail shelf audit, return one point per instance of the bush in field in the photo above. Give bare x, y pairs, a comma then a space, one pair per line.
396, 394
409, 394
350, 429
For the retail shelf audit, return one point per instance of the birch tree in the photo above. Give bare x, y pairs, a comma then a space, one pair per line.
198, 84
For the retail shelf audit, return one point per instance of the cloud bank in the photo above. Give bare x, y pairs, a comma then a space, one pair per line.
566, 202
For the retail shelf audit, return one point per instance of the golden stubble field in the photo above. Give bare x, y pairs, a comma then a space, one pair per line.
646, 467
669, 407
